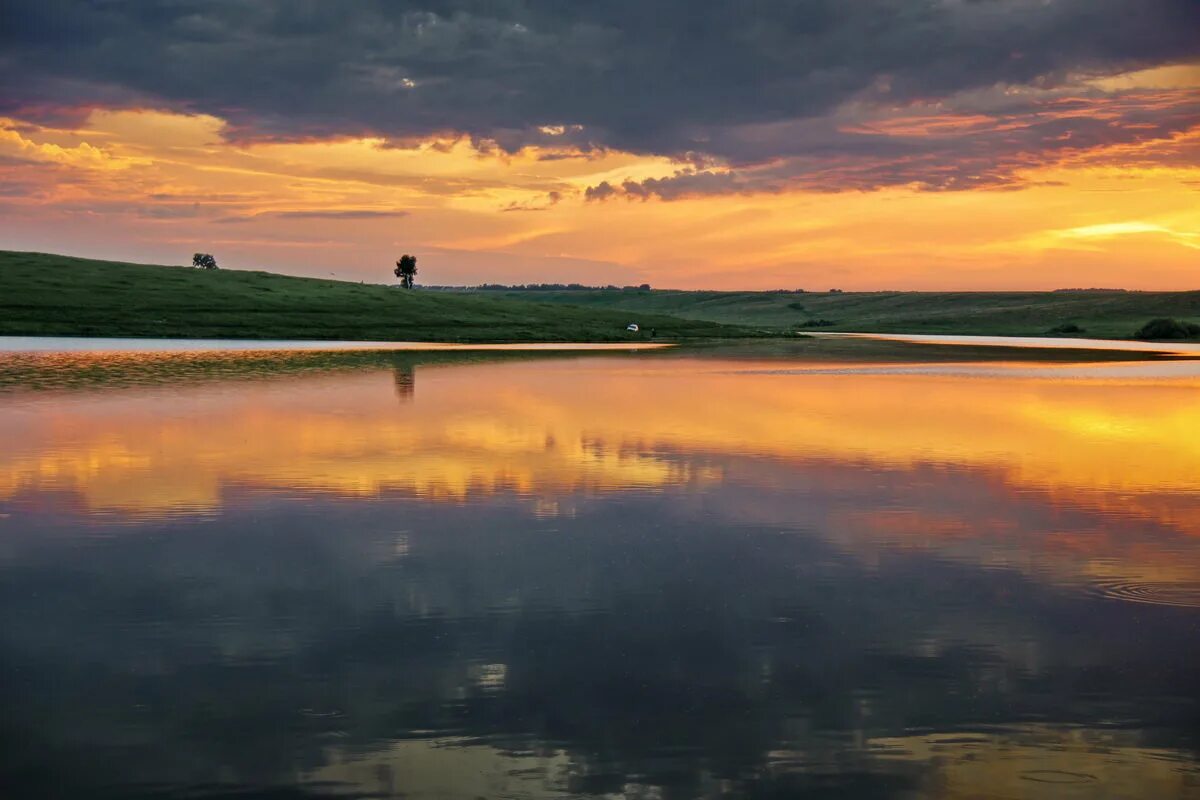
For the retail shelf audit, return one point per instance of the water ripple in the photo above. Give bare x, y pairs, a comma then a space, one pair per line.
1180, 595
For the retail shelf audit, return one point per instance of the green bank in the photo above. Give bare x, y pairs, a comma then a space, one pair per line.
53, 295
1107, 314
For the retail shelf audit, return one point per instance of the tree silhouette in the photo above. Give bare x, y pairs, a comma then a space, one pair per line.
204, 261
406, 270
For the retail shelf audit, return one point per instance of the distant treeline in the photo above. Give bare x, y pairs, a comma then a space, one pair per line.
544, 287
645, 287
582, 287
1091, 289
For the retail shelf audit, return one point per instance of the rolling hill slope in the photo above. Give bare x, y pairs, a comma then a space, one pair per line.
54, 295
1102, 314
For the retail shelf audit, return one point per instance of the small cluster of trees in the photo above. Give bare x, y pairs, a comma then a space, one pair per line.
1168, 328
204, 261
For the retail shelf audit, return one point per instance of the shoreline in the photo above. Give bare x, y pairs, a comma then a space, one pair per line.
1181, 348
82, 345
127, 344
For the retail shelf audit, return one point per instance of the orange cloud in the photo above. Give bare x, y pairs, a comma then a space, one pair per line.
156, 186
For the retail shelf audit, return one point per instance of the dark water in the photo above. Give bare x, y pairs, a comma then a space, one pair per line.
645, 576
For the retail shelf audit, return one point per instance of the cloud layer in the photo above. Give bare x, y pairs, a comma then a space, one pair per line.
755, 96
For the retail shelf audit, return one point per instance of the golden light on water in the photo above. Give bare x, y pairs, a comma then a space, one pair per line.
1041, 761
545, 428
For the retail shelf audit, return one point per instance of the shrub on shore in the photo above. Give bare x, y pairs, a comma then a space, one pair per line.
1167, 328
1065, 328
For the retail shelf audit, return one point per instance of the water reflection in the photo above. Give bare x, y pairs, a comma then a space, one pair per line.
618, 577
405, 376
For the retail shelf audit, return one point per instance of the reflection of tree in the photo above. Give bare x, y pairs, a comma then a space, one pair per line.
406, 380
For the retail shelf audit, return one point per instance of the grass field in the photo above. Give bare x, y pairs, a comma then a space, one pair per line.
55, 295
51, 295
1099, 314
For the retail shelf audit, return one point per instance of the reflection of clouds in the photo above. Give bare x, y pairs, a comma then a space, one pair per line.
532, 579
166, 454
549, 428
651, 646
489, 677
1043, 761
444, 768
1031, 761
1048, 478
1145, 551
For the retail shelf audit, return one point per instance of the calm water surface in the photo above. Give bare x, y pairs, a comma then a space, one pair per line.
666, 575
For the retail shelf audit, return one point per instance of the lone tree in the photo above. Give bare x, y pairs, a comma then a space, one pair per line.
204, 261
406, 270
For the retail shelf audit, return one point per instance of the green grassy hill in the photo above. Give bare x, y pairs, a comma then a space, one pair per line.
51, 295
1101, 314
55, 295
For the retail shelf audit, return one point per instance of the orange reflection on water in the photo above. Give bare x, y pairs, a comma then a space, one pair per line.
159, 452
545, 428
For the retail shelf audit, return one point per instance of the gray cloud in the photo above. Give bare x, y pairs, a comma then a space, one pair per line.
551, 199
980, 140
601, 191
701, 81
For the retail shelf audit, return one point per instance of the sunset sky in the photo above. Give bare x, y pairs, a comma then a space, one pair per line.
864, 144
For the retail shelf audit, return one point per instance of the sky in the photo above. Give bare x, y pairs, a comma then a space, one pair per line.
858, 144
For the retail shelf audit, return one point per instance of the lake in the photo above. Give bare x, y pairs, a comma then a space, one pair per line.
825, 568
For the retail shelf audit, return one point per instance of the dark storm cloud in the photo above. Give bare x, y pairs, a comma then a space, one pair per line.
984, 140
675, 77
